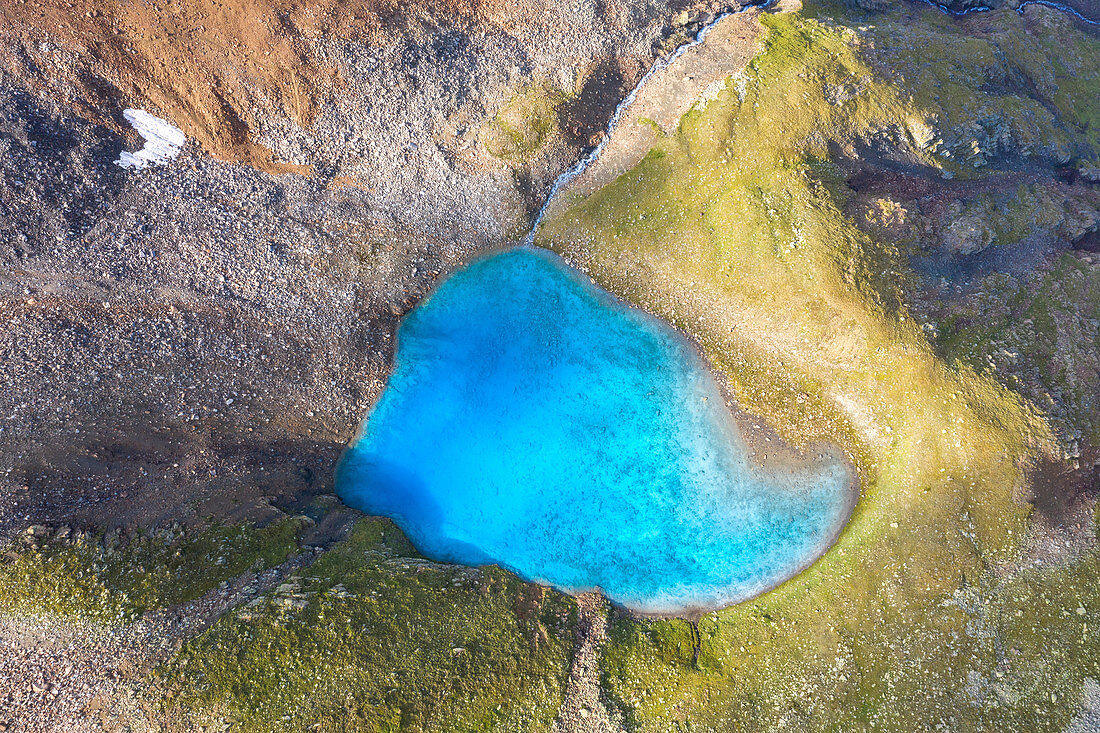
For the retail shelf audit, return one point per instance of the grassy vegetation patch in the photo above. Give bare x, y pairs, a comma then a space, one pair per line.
106, 580
372, 637
1040, 335
524, 124
999, 656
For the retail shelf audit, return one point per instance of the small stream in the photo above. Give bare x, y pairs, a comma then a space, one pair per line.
1019, 9
660, 65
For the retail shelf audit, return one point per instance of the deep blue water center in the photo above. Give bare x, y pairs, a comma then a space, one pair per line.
534, 421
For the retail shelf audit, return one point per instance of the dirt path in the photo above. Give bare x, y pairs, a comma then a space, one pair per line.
585, 709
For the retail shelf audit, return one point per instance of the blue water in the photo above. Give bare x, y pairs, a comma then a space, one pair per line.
535, 422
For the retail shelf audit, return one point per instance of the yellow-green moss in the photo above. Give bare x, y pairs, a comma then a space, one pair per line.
106, 581
524, 124
384, 641
1006, 657
732, 229
994, 89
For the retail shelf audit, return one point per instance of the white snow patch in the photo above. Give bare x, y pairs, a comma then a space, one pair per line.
163, 140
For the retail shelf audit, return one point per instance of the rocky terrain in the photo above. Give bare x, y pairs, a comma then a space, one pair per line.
188, 349
387, 98
182, 342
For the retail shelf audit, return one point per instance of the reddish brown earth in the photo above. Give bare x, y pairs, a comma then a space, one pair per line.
208, 65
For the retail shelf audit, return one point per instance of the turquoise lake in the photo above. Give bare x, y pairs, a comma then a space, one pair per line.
536, 422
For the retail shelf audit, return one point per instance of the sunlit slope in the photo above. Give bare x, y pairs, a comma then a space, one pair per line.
733, 230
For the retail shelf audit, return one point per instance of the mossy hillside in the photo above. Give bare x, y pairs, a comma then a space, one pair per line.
729, 229
732, 230
1000, 88
1010, 215
1002, 94
1003, 655
376, 638
1038, 335
103, 579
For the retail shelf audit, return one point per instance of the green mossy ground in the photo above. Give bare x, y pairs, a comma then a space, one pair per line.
370, 637
733, 229
1000, 656
373, 637
1000, 90
1040, 336
107, 581
524, 124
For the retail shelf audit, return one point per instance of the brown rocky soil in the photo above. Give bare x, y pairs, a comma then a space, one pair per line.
192, 340
207, 64
386, 94
205, 338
